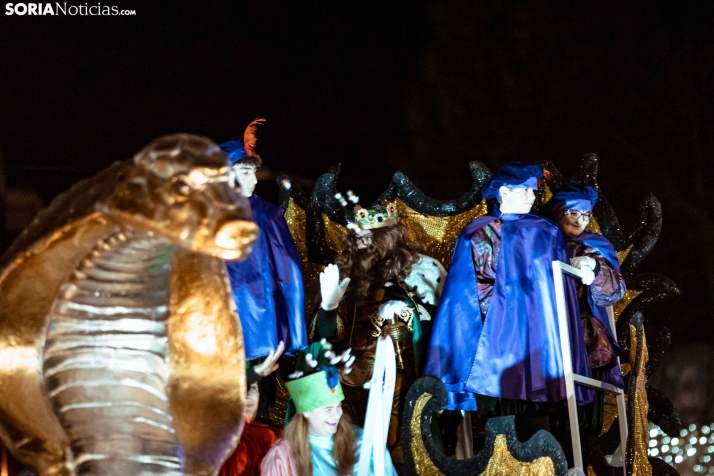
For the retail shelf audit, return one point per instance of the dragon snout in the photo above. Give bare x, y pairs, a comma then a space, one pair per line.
235, 239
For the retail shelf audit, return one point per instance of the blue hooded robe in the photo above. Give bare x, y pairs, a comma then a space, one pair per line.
579, 197
267, 286
515, 351
605, 248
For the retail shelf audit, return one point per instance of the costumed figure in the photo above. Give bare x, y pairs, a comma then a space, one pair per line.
387, 288
495, 339
268, 286
319, 439
257, 437
571, 207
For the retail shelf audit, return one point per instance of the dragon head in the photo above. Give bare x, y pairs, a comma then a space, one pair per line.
181, 187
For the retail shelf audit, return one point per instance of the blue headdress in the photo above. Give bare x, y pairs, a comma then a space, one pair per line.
513, 175
234, 150
572, 197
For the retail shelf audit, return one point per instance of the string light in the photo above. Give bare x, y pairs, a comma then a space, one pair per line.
695, 444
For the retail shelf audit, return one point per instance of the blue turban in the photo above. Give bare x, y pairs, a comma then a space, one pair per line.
573, 197
234, 150
513, 175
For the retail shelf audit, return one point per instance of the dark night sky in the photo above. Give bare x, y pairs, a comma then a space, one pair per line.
421, 87
82, 92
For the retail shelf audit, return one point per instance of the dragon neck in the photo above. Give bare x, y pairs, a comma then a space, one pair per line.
105, 360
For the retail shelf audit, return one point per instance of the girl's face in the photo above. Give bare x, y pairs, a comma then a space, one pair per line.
323, 421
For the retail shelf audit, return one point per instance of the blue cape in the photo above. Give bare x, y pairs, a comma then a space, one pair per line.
515, 352
601, 244
267, 287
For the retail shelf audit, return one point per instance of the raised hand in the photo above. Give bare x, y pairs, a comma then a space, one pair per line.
331, 289
270, 364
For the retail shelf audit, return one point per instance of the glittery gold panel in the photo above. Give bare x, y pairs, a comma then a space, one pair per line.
27, 421
333, 233
333, 236
422, 462
609, 412
206, 387
610, 407
311, 281
276, 413
620, 306
640, 466
591, 471
295, 217
502, 463
621, 255
594, 227
437, 234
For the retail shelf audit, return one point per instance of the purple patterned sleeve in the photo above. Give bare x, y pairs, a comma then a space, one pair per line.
609, 285
485, 245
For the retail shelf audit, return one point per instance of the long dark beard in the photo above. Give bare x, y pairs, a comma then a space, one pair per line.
390, 256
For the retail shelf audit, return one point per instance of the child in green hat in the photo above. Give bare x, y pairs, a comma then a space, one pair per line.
319, 439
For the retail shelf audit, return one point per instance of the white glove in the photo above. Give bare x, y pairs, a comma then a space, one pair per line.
581, 262
426, 295
331, 288
390, 308
588, 276
586, 265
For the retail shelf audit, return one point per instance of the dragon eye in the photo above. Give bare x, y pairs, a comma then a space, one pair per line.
182, 188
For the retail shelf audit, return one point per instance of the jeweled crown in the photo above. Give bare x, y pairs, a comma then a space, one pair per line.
376, 216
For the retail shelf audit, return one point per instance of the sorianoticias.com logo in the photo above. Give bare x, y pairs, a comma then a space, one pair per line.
61, 8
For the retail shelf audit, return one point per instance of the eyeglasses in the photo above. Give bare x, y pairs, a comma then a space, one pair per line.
576, 214
366, 240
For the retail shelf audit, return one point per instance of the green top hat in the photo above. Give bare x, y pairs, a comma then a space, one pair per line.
313, 392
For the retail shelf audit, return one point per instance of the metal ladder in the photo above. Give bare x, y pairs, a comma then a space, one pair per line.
571, 379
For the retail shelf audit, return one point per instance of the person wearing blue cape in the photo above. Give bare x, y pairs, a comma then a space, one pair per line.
267, 286
495, 341
571, 207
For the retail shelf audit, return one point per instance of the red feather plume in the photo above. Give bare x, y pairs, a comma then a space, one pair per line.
249, 137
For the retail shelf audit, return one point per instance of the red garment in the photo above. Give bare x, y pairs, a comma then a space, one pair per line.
254, 444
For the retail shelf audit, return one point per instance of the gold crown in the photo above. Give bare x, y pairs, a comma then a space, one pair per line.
377, 216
